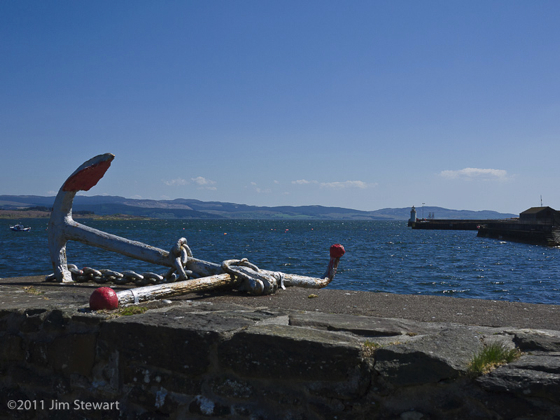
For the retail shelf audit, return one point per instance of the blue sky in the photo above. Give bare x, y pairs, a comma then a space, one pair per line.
358, 104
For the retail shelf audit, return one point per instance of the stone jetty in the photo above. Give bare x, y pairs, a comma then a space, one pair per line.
297, 354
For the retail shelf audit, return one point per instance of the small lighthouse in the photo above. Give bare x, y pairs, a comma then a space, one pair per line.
412, 215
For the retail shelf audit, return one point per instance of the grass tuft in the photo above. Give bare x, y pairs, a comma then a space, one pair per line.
369, 347
132, 310
492, 356
32, 290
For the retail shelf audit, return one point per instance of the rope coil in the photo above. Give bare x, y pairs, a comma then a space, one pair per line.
251, 278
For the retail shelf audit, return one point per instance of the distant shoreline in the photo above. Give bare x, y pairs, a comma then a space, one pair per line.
37, 214
22, 214
183, 208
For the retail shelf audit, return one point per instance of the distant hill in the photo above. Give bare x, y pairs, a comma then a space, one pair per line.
195, 209
443, 213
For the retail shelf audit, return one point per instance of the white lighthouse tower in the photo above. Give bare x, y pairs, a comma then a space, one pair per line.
412, 215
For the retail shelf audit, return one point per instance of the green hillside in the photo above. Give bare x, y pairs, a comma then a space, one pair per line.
196, 209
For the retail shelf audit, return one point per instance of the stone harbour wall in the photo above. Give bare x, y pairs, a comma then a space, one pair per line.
189, 360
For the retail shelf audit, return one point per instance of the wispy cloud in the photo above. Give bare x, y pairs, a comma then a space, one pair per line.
336, 185
476, 173
200, 181
204, 183
176, 182
260, 190
304, 182
346, 184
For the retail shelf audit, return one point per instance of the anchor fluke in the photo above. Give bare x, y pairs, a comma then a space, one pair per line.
63, 228
89, 173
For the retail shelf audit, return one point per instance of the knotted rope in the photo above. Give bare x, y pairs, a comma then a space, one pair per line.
252, 279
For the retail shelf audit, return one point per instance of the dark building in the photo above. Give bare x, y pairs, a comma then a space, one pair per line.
546, 215
537, 225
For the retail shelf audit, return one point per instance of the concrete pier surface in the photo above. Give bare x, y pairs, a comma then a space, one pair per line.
34, 292
300, 353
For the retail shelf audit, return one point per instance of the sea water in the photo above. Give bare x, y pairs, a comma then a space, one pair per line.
381, 256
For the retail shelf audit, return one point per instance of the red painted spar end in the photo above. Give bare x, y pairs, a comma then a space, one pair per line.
337, 251
103, 298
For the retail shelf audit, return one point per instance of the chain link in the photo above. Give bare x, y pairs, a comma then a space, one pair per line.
249, 277
180, 251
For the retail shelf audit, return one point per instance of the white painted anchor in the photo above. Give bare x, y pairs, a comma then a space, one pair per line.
234, 273
62, 228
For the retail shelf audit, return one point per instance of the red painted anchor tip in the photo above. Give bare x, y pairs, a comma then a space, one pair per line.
337, 251
87, 176
103, 298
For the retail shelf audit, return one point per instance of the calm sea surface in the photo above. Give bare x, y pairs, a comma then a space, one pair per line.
380, 256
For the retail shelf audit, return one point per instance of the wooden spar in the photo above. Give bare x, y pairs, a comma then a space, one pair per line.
243, 275
160, 291
203, 284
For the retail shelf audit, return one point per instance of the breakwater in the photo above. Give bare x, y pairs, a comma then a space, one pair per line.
511, 230
532, 233
537, 225
271, 357
447, 224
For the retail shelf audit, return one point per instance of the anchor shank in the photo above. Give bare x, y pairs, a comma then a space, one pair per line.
90, 236
203, 268
303, 281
